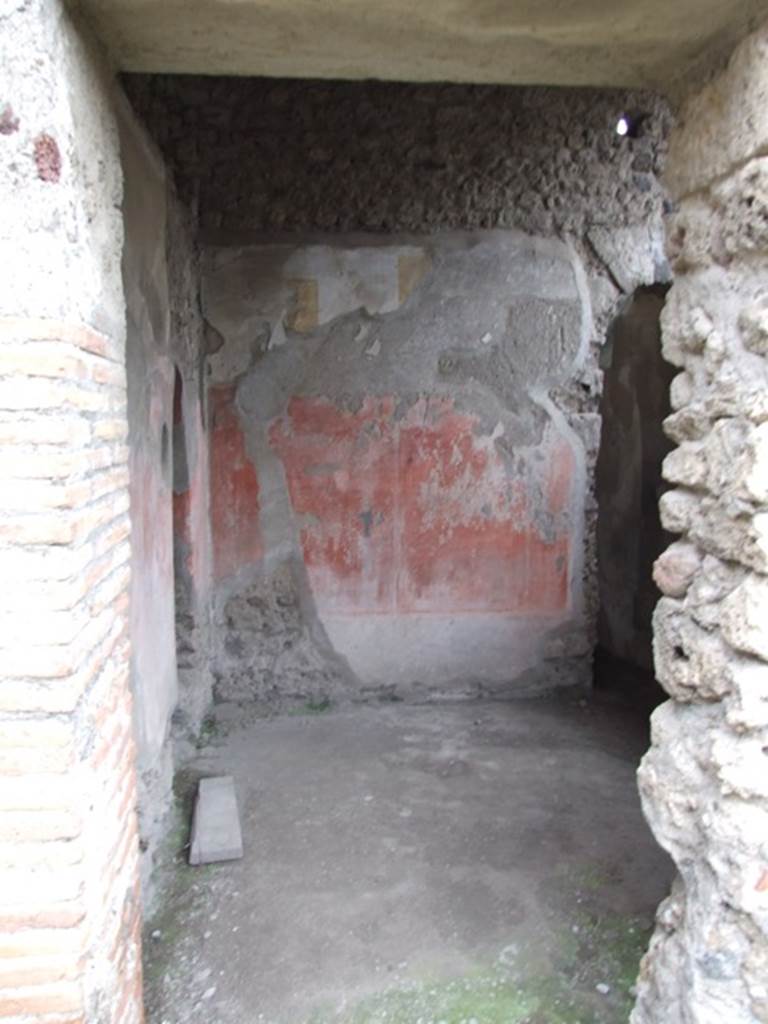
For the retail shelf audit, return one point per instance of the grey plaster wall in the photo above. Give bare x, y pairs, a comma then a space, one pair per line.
170, 538
394, 400
149, 379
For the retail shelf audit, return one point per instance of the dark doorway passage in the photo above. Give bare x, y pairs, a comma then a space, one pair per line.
440, 818
629, 484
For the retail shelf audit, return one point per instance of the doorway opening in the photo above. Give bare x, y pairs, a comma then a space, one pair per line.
402, 335
629, 484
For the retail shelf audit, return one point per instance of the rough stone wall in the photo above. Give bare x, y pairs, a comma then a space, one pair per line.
635, 401
70, 914
301, 162
170, 541
704, 780
285, 155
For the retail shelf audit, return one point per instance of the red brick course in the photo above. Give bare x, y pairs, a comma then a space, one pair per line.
69, 898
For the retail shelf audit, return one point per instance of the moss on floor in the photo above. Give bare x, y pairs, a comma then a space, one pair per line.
589, 980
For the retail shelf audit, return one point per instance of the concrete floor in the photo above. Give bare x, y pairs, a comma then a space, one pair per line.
473, 863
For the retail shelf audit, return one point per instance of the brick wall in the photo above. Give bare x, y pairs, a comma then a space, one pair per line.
68, 833
69, 899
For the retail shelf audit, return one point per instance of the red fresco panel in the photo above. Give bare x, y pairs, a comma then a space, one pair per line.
341, 470
190, 517
234, 490
418, 515
468, 543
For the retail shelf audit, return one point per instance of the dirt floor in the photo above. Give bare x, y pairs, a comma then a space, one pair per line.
473, 863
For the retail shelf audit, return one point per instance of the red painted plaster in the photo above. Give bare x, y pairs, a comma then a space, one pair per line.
468, 542
418, 514
341, 470
236, 532
47, 158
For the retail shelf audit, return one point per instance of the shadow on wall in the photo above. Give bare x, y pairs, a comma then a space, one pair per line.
629, 484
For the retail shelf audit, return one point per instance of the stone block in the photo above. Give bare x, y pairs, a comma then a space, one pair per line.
741, 212
685, 324
675, 568
711, 584
681, 390
677, 509
690, 423
753, 324
689, 235
686, 465
729, 530
216, 832
724, 124
747, 706
755, 480
691, 663
739, 766
628, 253
740, 388
745, 617
737, 459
